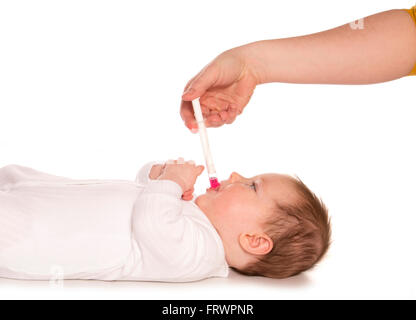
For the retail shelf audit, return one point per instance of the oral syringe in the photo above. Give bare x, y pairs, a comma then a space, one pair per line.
212, 175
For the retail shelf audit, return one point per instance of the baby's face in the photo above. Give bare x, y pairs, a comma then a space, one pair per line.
243, 204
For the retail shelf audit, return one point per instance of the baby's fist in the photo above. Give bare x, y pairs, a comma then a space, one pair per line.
181, 172
156, 171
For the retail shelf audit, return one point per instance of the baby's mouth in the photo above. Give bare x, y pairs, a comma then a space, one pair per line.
215, 189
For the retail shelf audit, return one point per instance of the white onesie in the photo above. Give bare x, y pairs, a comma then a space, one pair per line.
53, 227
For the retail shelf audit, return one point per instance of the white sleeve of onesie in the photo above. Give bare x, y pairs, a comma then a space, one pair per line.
177, 244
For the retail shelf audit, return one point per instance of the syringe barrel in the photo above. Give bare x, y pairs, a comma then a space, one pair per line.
204, 138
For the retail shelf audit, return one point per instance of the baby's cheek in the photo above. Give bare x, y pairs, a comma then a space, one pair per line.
225, 206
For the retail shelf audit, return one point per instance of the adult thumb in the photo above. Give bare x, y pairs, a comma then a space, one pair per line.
205, 80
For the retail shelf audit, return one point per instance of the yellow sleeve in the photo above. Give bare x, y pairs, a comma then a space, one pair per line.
412, 13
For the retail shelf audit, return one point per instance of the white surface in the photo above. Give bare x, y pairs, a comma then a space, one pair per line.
91, 89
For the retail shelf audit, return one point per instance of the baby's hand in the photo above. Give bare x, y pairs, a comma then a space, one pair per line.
156, 171
183, 173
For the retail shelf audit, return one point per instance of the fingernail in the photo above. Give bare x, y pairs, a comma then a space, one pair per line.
189, 91
194, 130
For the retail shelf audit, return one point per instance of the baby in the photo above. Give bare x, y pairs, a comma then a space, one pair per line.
148, 229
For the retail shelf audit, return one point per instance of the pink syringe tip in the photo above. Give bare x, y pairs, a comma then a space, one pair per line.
214, 183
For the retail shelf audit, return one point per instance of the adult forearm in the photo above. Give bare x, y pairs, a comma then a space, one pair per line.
383, 49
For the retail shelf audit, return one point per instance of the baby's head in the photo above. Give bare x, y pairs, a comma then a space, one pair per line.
271, 225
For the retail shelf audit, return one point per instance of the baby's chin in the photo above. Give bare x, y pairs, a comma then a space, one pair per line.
203, 203
204, 198
199, 199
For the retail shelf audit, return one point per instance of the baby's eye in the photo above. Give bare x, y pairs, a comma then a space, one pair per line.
253, 186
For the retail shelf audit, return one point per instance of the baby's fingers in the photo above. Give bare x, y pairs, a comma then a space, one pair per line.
156, 171
199, 170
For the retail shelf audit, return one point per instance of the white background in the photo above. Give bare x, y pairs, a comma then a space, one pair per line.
91, 89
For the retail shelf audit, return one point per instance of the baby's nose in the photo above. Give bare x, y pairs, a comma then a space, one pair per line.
232, 177
235, 177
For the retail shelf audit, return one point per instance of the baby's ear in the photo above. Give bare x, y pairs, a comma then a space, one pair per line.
256, 244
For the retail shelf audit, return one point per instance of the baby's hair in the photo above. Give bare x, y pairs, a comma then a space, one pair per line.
301, 234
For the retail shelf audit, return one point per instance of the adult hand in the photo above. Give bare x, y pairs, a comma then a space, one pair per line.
224, 87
